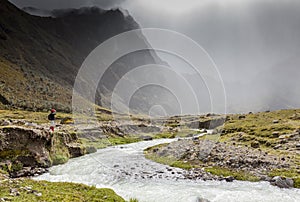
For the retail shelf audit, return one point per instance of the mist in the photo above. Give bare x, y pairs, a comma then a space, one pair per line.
255, 44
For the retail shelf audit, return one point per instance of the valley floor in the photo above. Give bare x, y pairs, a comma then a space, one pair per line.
248, 147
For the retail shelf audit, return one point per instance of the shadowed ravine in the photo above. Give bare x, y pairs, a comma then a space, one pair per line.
125, 169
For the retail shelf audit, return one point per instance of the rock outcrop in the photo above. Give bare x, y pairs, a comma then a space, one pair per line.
282, 182
26, 151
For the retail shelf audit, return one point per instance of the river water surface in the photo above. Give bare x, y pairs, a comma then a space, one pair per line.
124, 169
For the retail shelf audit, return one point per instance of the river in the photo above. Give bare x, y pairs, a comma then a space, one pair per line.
125, 170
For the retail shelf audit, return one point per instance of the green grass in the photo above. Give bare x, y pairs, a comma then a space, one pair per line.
56, 191
59, 152
181, 164
167, 160
238, 175
259, 127
164, 135
106, 142
261, 124
133, 200
30, 116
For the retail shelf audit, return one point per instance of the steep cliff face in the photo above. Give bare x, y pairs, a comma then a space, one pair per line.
40, 56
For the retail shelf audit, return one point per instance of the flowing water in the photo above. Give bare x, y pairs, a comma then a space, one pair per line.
124, 169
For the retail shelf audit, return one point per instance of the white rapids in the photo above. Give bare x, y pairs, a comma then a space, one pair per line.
125, 170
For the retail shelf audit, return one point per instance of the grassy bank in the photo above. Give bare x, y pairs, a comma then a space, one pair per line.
30, 190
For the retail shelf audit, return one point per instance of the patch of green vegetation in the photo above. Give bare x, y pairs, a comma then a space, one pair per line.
155, 146
259, 127
262, 123
56, 191
181, 164
164, 135
292, 173
12, 154
238, 175
123, 140
42, 117
212, 137
106, 142
133, 200
167, 160
30, 116
96, 143
59, 153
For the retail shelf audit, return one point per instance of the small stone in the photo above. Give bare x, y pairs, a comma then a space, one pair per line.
242, 116
275, 121
5, 123
275, 134
14, 192
255, 144
229, 179
284, 137
37, 194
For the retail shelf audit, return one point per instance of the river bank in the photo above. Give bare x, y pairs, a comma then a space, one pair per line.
247, 142
252, 147
124, 169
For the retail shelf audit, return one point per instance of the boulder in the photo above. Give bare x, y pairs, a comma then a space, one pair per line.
76, 150
282, 182
275, 121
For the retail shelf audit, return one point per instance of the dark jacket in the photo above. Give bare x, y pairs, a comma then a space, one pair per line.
51, 117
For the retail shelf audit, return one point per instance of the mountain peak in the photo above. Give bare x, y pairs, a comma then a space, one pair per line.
78, 12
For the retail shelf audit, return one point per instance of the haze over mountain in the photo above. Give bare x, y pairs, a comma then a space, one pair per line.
254, 43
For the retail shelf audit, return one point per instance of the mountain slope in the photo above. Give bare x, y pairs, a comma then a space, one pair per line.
40, 56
